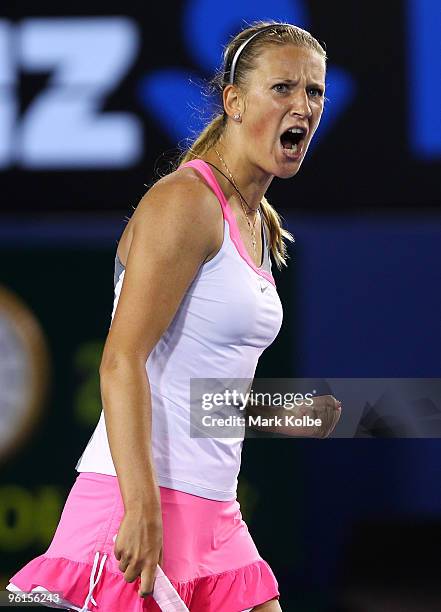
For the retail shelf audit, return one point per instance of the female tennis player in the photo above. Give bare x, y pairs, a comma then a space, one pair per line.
152, 521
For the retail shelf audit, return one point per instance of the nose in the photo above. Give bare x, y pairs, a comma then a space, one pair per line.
300, 105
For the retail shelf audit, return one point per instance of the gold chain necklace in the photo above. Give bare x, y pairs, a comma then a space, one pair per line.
252, 226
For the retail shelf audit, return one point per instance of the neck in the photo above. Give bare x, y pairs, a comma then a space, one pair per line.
251, 181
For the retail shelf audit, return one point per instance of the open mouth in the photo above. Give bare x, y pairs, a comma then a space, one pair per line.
292, 139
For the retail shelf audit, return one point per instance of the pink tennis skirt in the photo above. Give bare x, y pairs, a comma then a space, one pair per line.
209, 557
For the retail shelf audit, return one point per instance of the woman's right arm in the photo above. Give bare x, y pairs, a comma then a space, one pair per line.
175, 228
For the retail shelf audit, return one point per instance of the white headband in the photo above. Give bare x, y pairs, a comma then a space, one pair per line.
244, 44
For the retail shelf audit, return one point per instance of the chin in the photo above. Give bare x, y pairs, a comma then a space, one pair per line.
289, 170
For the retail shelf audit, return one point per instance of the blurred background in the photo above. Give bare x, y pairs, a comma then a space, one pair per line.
94, 101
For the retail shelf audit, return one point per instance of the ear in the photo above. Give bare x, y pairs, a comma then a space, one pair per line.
232, 100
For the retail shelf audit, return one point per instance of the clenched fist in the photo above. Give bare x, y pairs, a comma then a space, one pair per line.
327, 409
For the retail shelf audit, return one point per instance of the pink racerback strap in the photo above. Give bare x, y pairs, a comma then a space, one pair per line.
210, 178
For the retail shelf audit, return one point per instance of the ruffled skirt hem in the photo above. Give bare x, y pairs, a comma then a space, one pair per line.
230, 591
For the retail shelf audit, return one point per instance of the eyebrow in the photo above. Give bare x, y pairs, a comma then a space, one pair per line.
293, 82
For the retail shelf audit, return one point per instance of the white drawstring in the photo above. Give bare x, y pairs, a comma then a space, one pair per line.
92, 581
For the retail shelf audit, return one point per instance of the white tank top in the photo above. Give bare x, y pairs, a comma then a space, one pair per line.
228, 316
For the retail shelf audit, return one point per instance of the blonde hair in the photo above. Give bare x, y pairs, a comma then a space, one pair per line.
280, 34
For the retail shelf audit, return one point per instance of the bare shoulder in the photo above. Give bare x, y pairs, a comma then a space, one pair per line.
181, 199
183, 192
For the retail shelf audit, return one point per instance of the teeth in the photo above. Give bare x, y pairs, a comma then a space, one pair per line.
293, 148
296, 130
